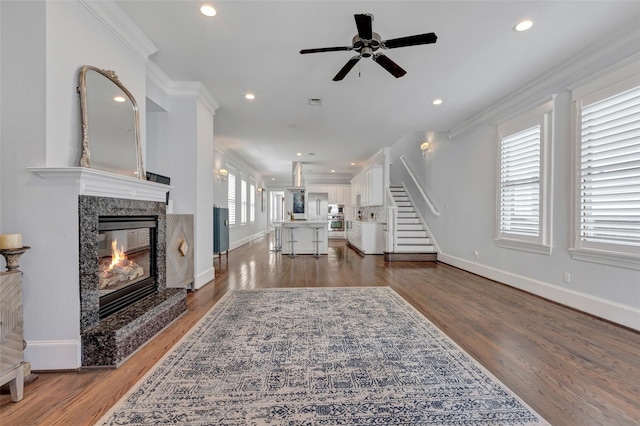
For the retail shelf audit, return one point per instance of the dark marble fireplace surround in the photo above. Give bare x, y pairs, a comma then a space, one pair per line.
108, 342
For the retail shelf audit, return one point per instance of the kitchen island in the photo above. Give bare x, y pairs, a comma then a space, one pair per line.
366, 237
303, 233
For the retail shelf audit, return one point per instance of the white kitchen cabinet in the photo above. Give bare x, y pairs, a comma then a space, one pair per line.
369, 185
338, 193
367, 237
356, 190
346, 195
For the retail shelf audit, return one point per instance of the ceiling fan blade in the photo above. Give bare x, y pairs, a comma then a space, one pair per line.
326, 49
347, 67
363, 22
410, 41
389, 65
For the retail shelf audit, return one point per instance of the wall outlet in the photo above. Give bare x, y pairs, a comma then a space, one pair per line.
477, 254
567, 277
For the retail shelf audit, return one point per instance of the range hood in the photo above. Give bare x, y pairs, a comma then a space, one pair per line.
297, 180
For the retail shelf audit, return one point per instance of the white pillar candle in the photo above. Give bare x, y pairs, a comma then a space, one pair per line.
10, 241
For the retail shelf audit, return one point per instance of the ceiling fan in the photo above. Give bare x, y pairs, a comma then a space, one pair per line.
366, 43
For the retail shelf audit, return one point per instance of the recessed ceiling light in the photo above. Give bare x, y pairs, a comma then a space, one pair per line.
299, 154
437, 102
250, 96
273, 178
119, 99
207, 10
353, 164
333, 171
523, 25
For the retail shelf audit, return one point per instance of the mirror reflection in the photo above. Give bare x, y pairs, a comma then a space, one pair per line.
110, 124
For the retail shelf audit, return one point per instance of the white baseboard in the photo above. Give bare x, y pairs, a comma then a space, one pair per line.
203, 278
53, 354
246, 240
611, 311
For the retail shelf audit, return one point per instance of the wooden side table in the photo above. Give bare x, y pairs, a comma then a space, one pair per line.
11, 333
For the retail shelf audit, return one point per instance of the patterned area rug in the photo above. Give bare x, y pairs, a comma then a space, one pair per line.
330, 356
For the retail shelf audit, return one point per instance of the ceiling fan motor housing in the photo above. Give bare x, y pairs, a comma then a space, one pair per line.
366, 47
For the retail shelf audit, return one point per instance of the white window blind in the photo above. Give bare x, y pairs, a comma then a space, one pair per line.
243, 201
231, 198
520, 183
609, 211
252, 203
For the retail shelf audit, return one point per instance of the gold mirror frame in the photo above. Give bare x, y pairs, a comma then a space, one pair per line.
96, 141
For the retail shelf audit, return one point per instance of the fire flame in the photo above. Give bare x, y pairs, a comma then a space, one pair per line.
117, 256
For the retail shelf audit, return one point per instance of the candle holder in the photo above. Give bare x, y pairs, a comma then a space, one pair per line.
11, 256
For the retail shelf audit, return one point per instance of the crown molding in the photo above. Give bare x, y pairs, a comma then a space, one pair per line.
114, 18
232, 160
180, 89
608, 51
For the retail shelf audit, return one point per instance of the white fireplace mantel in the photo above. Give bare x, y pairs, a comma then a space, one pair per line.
104, 184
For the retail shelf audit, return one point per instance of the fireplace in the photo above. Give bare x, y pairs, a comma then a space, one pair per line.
126, 261
122, 309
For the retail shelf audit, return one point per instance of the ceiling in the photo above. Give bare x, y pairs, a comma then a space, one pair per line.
253, 46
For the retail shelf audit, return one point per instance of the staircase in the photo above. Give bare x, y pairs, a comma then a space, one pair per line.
412, 237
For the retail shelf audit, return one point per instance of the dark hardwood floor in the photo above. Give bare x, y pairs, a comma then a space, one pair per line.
571, 368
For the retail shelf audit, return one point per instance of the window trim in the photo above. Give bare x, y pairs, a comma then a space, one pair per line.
243, 201
252, 203
232, 212
541, 115
604, 86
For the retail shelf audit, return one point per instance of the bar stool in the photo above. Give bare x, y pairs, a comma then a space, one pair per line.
291, 241
317, 241
277, 244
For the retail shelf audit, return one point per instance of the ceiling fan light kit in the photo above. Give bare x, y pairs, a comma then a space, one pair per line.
366, 43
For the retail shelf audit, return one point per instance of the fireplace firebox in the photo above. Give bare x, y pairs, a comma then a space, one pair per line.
126, 261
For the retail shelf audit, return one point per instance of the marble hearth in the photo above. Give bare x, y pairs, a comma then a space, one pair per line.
108, 342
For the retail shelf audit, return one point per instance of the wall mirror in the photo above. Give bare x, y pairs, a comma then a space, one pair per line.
110, 124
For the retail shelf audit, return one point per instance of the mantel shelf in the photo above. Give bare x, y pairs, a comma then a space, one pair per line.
104, 184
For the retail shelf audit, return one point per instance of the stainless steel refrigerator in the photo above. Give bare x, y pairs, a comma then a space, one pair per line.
317, 206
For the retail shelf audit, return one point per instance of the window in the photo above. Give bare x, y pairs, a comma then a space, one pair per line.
520, 183
243, 201
524, 201
607, 187
231, 198
252, 203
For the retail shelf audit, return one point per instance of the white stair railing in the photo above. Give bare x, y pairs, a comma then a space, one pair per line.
430, 204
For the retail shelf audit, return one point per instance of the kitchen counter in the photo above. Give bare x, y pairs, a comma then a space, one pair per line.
302, 223
304, 236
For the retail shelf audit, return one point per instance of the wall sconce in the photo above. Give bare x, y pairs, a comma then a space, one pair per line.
425, 147
222, 175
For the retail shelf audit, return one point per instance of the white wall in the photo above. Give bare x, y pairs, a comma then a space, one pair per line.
180, 128
460, 178
204, 270
219, 187
43, 46
240, 234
